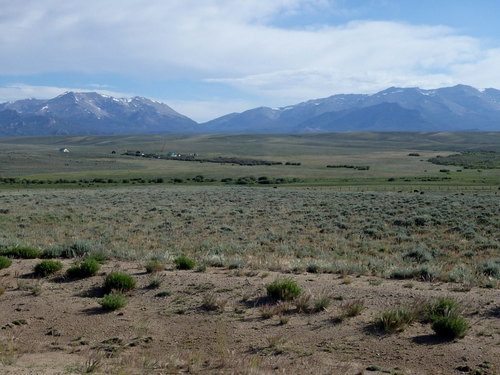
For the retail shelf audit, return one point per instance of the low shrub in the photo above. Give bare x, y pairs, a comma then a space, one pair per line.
303, 303
184, 263
119, 281
441, 308
154, 284
270, 310
313, 268
212, 303
451, 326
77, 249
163, 293
352, 308
491, 268
283, 289
322, 303
47, 267
154, 266
113, 301
419, 254
395, 320
22, 252
4, 262
88, 267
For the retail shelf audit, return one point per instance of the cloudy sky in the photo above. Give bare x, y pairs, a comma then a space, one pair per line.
207, 58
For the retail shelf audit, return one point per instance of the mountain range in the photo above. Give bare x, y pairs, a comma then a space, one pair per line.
458, 108
82, 113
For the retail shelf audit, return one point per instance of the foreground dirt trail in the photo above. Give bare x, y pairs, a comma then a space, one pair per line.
55, 325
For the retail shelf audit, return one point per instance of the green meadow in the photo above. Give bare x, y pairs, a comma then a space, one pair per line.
386, 154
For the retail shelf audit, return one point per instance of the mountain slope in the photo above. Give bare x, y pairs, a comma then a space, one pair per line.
458, 108
91, 113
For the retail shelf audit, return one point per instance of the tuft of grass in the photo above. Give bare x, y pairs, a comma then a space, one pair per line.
119, 281
87, 268
47, 267
163, 293
184, 263
395, 320
154, 284
441, 308
346, 281
113, 301
303, 303
154, 266
352, 308
283, 289
4, 262
21, 252
212, 303
322, 303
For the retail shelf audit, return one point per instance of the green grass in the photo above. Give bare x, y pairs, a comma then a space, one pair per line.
184, 263
47, 267
113, 301
87, 268
4, 262
283, 289
441, 308
395, 320
452, 326
22, 252
36, 159
154, 266
433, 236
119, 281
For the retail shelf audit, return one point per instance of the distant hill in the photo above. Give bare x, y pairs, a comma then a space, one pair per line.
91, 113
458, 108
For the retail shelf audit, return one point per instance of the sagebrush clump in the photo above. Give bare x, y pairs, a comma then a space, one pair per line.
87, 268
22, 252
113, 301
283, 289
119, 281
47, 267
446, 318
451, 326
395, 320
154, 266
5, 262
184, 263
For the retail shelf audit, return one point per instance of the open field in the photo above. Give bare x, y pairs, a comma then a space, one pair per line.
375, 250
359, 243
386, 155
285, 229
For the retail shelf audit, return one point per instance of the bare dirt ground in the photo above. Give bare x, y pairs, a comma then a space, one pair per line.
56, 326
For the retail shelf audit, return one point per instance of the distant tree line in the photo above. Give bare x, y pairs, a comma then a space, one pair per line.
358, 167
470, 160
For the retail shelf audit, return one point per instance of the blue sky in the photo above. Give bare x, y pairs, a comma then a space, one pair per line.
207, 58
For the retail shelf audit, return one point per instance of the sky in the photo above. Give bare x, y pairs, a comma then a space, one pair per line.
208, 58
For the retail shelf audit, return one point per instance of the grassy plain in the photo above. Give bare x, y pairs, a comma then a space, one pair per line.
385, 153
359, 243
